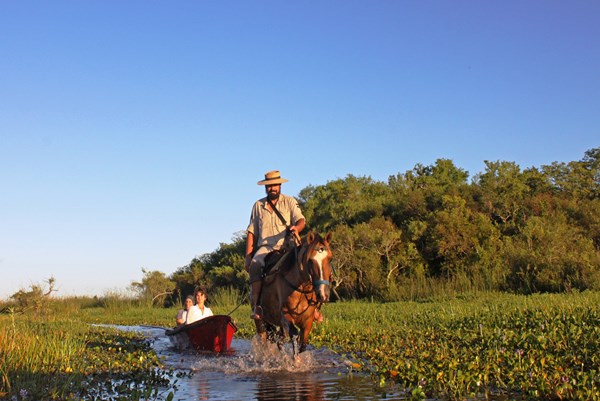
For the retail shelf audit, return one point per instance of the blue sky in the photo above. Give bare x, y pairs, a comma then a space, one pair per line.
132, 133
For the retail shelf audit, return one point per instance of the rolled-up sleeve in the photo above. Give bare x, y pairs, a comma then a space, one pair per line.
254, 218
295, 212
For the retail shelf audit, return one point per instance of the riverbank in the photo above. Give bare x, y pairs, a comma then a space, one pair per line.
540, 346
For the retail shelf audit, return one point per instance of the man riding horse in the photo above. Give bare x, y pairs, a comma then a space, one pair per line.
268, 231
290, 277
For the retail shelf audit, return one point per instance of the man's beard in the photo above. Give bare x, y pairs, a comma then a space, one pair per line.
273, 195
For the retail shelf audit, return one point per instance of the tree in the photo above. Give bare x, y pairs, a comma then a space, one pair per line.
454, 235
502, 194
579, 179
224, 267
187, 279
552, 255
36, 298
349, 201
420, 191
154, 288
370, 257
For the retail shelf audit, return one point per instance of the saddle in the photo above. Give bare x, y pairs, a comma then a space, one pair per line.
271, 260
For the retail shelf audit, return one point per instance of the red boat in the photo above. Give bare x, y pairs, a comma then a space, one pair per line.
213, 333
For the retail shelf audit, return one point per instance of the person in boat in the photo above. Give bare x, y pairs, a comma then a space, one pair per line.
182, 313
272, 219
199, 311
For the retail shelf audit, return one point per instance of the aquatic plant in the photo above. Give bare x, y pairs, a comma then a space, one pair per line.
66, 359
534, 347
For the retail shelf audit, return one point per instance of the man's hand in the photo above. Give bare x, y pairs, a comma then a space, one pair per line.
297, 228
295, 231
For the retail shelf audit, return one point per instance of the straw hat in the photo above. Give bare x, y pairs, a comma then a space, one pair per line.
272, 178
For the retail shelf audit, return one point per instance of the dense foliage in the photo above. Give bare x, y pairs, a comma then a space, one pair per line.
430, 230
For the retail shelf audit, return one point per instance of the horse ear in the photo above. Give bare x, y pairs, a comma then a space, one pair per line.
311, 237
328, 237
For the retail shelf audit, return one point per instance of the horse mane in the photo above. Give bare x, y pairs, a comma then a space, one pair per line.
310, 246
300, 252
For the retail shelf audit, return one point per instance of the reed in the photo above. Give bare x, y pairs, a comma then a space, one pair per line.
33, 351
225, 299
58, 358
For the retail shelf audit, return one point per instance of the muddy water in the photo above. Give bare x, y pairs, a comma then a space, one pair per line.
253, 372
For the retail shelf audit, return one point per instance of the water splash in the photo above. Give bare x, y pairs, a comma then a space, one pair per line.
261, 357
257, 371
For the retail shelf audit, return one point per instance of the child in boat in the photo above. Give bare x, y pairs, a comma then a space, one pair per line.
182, 313
199, 311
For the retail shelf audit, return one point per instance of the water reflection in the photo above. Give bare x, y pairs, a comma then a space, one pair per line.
290, 387
253, 372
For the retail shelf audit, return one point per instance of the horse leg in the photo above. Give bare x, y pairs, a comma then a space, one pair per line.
288, 330
285, 332
294, 339
280, 339
304, 333
261, 330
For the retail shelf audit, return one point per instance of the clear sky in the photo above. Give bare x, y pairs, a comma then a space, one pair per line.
132, 133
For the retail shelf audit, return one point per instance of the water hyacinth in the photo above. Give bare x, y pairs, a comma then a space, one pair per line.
553, 343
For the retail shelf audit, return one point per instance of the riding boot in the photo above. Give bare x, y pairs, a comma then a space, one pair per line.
257, 312
254, 295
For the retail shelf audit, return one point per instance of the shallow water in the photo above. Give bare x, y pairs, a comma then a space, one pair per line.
253, 372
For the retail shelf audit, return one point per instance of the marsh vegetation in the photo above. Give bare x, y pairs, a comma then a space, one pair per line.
476, 345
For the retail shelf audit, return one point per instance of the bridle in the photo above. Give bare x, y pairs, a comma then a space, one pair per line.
302, 259
318, 282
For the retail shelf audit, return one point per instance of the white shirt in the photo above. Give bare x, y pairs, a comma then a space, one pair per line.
195, 314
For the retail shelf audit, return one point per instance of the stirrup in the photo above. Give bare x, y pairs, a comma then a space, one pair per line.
257, 314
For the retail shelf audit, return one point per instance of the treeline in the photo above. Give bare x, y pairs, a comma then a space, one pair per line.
432, 230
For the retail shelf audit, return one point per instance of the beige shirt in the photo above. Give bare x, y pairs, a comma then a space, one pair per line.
267, 227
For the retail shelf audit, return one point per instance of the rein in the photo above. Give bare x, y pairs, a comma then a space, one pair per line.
299, 255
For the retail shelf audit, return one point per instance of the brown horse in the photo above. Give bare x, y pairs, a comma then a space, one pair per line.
296, 286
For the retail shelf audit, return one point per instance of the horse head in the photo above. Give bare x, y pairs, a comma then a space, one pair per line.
319, 265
